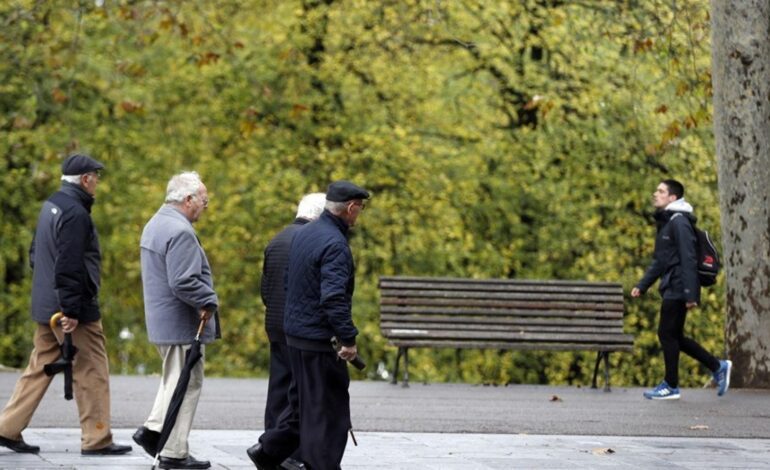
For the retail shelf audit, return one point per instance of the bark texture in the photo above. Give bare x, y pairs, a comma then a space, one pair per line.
741, 81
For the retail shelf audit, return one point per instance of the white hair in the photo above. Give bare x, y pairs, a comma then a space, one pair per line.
336, 208
311, 206
184, 184
74, 179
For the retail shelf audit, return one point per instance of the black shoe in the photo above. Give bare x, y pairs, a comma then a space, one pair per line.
261, 459
292, 464
187, 462
112, 449
19, 446
147, 440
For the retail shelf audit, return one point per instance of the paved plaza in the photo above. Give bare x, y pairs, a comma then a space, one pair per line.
441, 426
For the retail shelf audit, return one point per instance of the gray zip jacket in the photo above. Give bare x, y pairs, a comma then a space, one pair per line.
177, 280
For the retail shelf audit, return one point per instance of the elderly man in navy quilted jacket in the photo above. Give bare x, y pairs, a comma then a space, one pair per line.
319, 292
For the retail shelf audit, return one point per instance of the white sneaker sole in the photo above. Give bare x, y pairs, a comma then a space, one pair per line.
667, 397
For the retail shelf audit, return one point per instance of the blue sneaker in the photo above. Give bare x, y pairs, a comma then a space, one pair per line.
662, 392
722, 377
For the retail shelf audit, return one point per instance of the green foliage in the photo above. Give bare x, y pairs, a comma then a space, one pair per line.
499, 139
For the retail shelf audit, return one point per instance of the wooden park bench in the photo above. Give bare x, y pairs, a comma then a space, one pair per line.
426, 312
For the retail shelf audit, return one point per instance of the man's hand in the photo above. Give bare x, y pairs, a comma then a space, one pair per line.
635, 292
68, 324
348, 353
206, 314
690, 305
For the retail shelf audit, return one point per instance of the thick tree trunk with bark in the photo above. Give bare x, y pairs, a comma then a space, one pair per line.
741, 79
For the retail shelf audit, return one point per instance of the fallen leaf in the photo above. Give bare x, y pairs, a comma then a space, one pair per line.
555, 398
602, 451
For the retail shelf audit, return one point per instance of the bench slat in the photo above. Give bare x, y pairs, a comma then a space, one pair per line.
607, 329
492, 288
517, 345
607, 338
414, 280
402, 310
474, 294
538, 305
497, 320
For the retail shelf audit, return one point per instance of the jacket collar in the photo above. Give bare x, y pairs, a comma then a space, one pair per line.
336, 221
78, 193
170, 211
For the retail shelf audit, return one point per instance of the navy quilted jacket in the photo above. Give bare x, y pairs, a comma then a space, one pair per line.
320, 282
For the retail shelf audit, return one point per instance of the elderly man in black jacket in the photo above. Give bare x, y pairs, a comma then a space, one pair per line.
65, 260
675, 263
319, 293
273, 292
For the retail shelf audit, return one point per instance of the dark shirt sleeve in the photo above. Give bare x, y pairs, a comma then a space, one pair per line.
688, 259
653, 273
70, 268
335, 302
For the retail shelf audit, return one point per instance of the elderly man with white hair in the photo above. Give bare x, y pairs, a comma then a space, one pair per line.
178, 294
273, 292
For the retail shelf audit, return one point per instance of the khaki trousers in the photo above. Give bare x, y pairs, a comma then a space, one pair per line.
173, 361
90, 384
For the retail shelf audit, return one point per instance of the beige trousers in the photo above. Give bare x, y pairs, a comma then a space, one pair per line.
173, 361
90, 384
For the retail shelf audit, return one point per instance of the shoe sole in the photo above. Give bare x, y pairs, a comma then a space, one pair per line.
727, 381
668, 397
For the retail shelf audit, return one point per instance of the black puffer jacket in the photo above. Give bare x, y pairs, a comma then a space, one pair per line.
273, 287
674, 260
65, 258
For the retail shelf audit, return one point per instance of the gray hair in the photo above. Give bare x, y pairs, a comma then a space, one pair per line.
336, 208
184, 184
311, 206
74, 179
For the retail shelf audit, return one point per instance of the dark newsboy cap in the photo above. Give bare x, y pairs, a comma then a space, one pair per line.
79, 164
342, 191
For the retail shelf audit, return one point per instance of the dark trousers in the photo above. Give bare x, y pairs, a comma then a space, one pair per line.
278, 384
673, 314
318, 417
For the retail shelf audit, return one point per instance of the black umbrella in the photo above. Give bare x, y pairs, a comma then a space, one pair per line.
64, 363
192, 357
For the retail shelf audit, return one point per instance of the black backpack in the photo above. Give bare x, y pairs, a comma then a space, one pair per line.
707, 255
708, 258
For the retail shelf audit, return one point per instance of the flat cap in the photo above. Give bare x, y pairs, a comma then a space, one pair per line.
343, 191
79, 164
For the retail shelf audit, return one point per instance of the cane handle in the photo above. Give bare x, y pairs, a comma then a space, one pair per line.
55, 320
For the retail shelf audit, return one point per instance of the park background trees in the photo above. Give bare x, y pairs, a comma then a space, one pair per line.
499, 139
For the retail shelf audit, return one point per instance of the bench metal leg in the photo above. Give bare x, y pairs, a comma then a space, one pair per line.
402, 351
599, 356
405, 384
394, 379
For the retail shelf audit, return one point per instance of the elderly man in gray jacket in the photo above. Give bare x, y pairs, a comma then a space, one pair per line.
178, 294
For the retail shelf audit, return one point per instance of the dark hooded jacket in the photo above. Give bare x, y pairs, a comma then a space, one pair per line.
674, 260
65, 258
319, 284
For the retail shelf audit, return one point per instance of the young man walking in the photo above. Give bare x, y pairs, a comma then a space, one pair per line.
675, 264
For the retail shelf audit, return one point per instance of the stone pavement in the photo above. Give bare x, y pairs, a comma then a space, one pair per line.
440, 426
396, 451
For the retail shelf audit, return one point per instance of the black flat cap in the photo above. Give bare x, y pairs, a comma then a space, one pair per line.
79, 164
343, 191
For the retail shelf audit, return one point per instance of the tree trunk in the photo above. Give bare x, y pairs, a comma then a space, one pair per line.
741, 79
